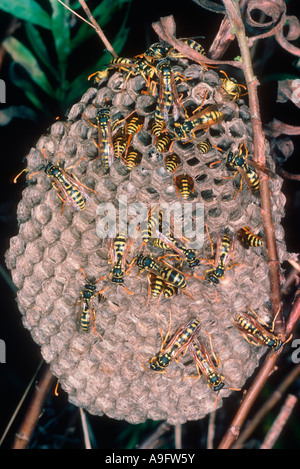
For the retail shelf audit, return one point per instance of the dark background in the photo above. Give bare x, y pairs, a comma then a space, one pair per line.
60, 426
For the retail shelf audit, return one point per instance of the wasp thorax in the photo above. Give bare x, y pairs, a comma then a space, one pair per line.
113, 184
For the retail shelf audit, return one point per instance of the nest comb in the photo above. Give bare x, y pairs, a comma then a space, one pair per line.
104, 374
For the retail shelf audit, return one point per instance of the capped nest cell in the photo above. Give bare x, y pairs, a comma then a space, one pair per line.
102, 370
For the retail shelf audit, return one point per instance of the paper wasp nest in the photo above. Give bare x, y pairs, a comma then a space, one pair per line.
104, 374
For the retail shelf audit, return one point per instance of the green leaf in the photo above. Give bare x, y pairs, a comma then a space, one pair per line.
21, 55
39, 47
28, 89
60, 24
27, 10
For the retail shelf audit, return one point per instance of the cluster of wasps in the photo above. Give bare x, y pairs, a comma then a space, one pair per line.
171, 122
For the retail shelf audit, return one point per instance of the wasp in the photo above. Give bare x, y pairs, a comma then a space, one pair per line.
119, 249
139, 65
168, 96
232, 88
224, 253
133, 124
190, 42
120, 143
247, 238
177, 246
202, 120
204, 146
133, 158
205, 365
148, 228
172, 161
156, 51
86, 314
169, 274
156, 285
105, 143
170, 290
99, 75
164, 142
176, 346
255, 332
67, 185
184, 185
239, 162
147, 263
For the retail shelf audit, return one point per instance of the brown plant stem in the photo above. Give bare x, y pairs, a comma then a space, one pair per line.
260, 380
279, 422
266, 407
259, 149
93, 23
23, 436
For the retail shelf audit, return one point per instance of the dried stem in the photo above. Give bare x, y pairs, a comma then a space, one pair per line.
152, 441
93, 23
279, 422
267, 406
259, 149
22, 438
266, 369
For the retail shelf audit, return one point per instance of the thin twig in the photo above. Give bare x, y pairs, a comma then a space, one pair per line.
12, 419
152, 441
86, 436
22, 438
211, 430
266, 407
178, 436
93, 23
279, 422
259, 149
259, 382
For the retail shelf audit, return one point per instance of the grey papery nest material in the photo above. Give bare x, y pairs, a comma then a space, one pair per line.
104, 374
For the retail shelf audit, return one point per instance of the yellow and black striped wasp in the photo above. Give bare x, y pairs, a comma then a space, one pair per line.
119, 248
120, 143
239, 162
164, 142
256, 332
184, 184
67, 186
158, 287
206, 366
86, 312
203, 119
133, 158
149, 227
172, 161
105, 143
247, 238
168, 96
169, 274
224, 254
156, 51
174, 53
204, 146
179, 248
232, 88
178, 345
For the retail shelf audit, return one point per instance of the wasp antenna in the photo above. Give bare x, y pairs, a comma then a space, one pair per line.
17, 176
